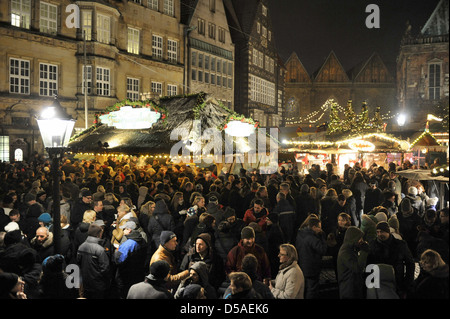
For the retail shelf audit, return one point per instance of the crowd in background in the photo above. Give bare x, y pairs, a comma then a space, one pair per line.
161, 230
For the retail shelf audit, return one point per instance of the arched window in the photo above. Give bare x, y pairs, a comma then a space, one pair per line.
18, 155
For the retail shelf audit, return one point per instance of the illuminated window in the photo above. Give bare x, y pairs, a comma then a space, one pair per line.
21, 13
133, 41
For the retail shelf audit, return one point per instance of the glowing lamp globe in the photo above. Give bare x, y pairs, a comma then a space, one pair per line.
239, 129
55, 126
129, 118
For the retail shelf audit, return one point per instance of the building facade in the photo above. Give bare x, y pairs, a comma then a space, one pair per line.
423, 68
306, 95
110, 50
258, 91
209, 50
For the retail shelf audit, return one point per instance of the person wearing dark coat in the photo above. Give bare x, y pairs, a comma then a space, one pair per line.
359, 188
286, 218
199, 275
305, 205
224, 240
20, 259
80, 206
52, 284
311, 245
386, 249
94, 265
249, 266
235, 199
204, 250
31, 223
409, 221
330, 211
11, 286
351, 264
160, 220
43, 243
373, 197
432, 282
154, 285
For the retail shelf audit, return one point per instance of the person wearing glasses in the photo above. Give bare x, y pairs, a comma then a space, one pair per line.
289, 282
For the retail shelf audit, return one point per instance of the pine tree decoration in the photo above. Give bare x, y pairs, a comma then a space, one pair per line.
363, 119
335, 125
349, 123
377, 122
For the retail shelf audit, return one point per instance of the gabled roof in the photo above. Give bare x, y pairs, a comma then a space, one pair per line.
371, 70
296, 70
187, 8
438, 23
331, 71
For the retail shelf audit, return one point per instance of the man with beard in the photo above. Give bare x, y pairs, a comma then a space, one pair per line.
246, 246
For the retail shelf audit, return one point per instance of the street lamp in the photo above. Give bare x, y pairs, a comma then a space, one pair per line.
56, 127
401, 119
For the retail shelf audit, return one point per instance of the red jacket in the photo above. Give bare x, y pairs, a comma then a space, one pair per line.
250, 217
237, 253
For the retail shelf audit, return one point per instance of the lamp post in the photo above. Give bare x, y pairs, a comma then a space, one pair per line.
56, 127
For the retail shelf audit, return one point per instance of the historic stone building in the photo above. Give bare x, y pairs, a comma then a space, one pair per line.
258, 74
306, 94
423, 68
132, 48
210, 51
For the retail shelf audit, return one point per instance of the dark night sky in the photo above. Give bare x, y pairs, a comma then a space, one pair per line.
313, 28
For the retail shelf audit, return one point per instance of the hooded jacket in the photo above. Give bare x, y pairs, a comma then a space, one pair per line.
213, 261
350, 265
45, 249
202, 271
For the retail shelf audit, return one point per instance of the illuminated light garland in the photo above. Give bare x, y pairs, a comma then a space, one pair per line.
403, 144
324, 108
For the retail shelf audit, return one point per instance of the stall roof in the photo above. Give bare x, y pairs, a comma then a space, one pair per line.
181, 112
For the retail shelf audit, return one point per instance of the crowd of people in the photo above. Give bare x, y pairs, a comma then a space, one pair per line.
158, 230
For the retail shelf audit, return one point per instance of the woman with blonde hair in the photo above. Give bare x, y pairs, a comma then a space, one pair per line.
289, 282
432, 282
81, 232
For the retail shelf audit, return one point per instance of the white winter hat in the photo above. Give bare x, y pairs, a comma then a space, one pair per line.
412, 190
11, 226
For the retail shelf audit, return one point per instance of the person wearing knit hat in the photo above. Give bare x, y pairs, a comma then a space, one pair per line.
246, 246
383, 226
387, 249
248, 233
165, 251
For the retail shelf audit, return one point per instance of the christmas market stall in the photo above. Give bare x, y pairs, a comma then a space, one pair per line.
354, 138
425, 148
195, 129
